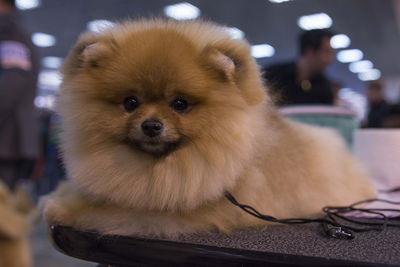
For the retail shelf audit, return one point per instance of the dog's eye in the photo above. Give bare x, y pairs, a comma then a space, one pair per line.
131, 103
179, 105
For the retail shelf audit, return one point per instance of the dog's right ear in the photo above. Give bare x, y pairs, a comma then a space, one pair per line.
89, 52
16, 225
13, 224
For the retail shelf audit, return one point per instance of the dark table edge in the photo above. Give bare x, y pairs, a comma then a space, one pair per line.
133, 251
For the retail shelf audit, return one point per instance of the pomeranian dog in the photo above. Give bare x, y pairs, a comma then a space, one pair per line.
16, 216
160, 118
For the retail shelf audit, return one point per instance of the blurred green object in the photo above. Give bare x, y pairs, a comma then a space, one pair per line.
344, 121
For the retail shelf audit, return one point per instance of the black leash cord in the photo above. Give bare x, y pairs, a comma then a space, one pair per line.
330, 224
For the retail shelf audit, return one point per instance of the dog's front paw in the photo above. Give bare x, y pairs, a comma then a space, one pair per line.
53, 211
63, 206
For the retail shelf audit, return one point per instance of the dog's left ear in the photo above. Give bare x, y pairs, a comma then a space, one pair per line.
231, 62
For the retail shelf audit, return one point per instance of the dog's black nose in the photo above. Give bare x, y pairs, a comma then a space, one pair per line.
152, 127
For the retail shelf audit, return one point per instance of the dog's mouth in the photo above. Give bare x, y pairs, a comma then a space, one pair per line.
156, 147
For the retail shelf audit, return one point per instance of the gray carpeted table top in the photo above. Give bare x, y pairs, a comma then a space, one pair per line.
309, 240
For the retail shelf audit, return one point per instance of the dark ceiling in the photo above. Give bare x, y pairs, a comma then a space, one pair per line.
371, 25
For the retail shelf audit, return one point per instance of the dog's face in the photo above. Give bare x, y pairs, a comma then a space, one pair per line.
156, 114
154, 90
159, 94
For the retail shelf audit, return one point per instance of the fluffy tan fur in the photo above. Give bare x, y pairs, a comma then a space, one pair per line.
231, 138
16, 214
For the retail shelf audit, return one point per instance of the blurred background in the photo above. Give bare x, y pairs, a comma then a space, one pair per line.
366, 43
370, 29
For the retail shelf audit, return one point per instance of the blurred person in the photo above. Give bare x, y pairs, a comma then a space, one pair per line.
377, 104
337, 100
391, 117
49, 170
303, 81
343, 102
19, 141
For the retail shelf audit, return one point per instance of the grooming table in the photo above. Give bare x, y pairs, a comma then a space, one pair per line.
295, 245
